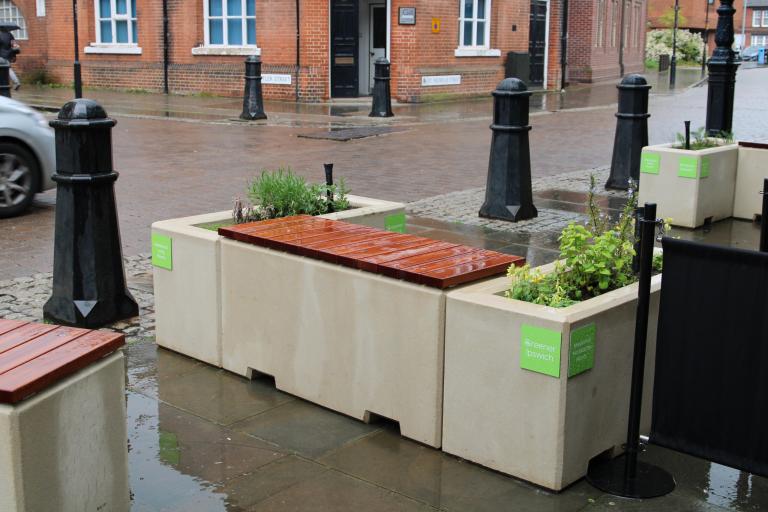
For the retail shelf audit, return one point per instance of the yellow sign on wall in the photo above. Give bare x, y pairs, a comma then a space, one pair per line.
435, 25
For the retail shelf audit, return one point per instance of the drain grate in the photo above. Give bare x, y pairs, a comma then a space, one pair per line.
346, 134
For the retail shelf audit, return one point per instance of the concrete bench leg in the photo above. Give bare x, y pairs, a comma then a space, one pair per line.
65, 449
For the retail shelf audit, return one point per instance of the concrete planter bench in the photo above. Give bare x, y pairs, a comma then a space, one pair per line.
690, 187
501, 411
63, 441
188, 294
752, 170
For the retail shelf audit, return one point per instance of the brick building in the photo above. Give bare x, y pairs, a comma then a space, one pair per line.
319, 49
701, 16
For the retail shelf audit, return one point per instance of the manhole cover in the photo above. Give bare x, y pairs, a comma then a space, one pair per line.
345, 134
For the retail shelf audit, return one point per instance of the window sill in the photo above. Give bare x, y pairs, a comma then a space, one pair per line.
226, 50
114, 49
476, 52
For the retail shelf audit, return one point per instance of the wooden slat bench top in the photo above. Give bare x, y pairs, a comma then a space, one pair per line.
410, 258
34, 357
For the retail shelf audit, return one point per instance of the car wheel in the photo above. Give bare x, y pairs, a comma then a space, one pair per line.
19, 179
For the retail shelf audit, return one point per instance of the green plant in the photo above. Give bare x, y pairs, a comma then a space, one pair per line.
700, 140
595, 258
282, 193
659, 42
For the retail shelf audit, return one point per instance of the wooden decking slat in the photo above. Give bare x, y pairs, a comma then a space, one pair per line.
9, 325
23, 334
411, 258
38, 346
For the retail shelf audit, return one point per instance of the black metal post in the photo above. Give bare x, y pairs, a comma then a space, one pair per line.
166, 48
5, 78
382, 95
639, 216
89, 287
253, 98
625, 475
76, 70
764, 219
687, 134
631, 132
673, 64
509, 193
329, 180
722, 74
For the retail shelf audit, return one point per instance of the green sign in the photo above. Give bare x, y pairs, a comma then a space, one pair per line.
540, 350
162, 251
704, 167
581, 352
650, 163
395, 223
688, 167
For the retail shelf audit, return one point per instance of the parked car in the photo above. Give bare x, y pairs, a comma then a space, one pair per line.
750, 52
27, 156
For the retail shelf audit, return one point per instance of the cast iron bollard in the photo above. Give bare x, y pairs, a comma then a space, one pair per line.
88, 276
5, 78
764, 219
329, 181
722, 74
253, 99
631, 132
382, 95
508, 193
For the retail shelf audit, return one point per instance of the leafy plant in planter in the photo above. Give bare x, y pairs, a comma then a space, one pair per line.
282, 193
700, 140
595, 258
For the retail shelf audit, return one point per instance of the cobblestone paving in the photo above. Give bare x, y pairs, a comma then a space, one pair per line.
461, 207
23, 298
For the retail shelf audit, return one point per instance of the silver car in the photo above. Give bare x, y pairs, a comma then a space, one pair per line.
27, 156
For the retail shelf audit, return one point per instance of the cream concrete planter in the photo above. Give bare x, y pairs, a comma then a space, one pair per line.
351, 341
65, 448
188, 295
752, 170
689, 186
535, 426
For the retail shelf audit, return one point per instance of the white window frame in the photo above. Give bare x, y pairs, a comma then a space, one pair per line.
227, 49
757, 16
114, 18
475, 50
759, 40
40, 4
600, 32
765, 17
14, 16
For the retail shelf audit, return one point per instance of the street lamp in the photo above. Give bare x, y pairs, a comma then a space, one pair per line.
78, 79
673, 64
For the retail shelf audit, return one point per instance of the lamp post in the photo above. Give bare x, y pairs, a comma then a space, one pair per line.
673, 64
78, 79
722, 74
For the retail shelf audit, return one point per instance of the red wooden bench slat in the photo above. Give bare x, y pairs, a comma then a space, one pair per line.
412, 258
22, 335
48, 355
9, 325
265, 225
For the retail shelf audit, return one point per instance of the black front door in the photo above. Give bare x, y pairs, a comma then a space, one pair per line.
344, 50
538, 41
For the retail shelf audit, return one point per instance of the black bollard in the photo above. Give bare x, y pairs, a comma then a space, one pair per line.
88, 276
631, 132
382, 94
5, 78
764, 219
625, 476
687, 134
722, 74
508, 193
329, 181
253, 99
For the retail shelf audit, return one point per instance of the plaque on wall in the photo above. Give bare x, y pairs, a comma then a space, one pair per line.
407, 16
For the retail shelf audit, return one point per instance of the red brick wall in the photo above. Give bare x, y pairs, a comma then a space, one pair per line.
415, 50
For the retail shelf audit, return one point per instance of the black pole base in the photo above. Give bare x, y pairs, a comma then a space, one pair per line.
512, 213
90, 314
649, 482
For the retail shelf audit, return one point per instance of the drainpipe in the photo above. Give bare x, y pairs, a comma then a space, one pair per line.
298, 45
563, 44
621, 39
166, 46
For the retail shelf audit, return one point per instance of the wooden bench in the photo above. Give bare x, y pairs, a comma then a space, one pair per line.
346, 316
62, 419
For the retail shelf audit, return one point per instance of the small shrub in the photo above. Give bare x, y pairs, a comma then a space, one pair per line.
659, 42
700, 140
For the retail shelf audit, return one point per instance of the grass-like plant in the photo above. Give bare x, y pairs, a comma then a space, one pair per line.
595, 258
700, 140
282, 193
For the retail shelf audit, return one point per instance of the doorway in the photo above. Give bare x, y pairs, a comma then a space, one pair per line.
537, 44
373, 41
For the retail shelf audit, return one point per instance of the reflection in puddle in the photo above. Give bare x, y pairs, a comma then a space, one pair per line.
728, 487
152, 456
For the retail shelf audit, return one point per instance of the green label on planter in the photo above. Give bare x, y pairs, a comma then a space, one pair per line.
540, 350
395, 223
162, 251
704, 167
688, 167
650, 163
581, 353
